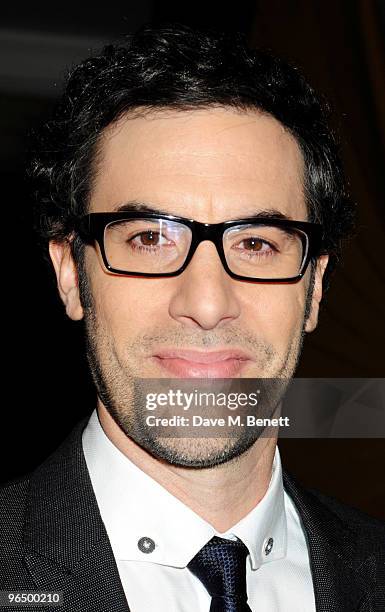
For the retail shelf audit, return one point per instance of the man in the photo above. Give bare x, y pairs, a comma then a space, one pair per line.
193, 204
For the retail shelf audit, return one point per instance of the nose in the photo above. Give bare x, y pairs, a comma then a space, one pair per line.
205, 295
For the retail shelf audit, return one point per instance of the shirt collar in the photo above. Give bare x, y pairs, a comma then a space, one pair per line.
134, 506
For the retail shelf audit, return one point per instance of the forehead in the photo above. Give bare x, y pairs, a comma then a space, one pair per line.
208, 164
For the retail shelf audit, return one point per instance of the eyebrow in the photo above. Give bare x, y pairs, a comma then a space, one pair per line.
136, 206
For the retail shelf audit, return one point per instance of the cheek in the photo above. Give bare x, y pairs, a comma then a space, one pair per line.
276, 311
127, 306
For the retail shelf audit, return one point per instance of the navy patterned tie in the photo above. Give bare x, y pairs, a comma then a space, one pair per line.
221, 567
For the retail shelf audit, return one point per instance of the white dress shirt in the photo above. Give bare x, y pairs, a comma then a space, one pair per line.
134, 507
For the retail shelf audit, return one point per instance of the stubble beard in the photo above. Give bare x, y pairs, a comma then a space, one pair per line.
115, 377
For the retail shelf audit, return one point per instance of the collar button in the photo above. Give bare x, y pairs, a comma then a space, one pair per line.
146, 545
268, 546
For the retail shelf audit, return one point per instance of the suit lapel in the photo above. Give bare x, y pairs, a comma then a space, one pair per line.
66, 544
343, 575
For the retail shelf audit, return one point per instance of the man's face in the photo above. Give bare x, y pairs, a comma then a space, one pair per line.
209, 165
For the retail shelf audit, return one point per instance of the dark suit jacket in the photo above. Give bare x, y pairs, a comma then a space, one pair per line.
52, 538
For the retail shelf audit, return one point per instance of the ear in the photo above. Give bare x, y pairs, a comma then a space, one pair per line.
312, 320
67, 278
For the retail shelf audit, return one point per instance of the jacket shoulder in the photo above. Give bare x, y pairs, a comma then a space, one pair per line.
336, 518
355, 518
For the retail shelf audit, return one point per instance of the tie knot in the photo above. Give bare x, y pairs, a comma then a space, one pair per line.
221, 566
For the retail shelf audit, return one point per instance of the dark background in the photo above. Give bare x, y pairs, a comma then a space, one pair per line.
340, 47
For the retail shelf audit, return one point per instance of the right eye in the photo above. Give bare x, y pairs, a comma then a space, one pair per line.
148, 238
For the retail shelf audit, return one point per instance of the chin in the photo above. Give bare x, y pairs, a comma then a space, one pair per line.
198, 453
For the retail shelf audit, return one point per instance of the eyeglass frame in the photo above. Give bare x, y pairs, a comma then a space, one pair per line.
91, 227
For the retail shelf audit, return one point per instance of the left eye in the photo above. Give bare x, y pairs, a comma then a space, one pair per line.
254, 244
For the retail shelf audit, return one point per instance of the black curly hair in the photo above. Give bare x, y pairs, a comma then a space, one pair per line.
175, 67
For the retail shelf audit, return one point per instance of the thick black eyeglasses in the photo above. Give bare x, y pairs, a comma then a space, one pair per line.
144, 244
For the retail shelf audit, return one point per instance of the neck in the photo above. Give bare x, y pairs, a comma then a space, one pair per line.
221, 495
